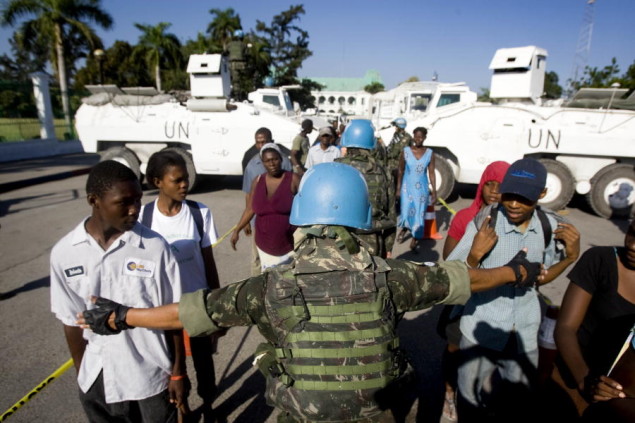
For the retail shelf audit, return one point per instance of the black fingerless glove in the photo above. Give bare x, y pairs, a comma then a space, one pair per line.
97, 318
532, 269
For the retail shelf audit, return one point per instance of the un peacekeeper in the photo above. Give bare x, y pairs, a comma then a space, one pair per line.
330, 317
359, 140
400, 140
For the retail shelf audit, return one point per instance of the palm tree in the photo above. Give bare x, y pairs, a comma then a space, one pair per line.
223, 26
158, 47
53, 20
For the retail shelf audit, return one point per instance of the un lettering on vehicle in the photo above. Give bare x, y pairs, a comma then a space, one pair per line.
544, 139
177, 129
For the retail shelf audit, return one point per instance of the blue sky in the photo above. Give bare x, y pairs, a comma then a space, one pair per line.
403, 38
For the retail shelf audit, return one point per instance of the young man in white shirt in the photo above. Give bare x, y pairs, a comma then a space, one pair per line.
129, 376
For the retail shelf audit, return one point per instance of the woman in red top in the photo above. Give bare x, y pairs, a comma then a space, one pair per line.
270, 201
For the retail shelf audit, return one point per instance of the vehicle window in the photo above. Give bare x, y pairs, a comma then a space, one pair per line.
419, 102
446, 99
271, 99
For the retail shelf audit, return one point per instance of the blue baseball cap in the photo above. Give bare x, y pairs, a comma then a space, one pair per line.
525, 177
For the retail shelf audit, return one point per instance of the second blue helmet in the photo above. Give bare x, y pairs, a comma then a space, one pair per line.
332, 194
359, 133
400, 122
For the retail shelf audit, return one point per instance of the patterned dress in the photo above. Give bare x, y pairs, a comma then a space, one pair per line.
414, 192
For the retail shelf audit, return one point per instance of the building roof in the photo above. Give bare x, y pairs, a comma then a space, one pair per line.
348, 84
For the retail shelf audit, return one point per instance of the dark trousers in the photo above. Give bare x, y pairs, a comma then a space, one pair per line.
154, 409
202, 350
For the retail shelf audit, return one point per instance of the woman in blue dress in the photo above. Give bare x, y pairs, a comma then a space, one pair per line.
415, 174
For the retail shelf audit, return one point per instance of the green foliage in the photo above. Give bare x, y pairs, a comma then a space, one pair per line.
374, 87
483, 96
303, 96
552, 90
412, 79
158, 48
222, 28
288, 44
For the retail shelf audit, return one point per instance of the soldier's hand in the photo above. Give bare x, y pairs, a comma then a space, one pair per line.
527, 273
109, 318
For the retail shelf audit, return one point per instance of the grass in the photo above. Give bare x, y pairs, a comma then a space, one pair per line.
20, 129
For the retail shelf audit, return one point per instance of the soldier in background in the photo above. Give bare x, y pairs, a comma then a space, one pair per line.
330, 317
400, 140
359, 141
237, 61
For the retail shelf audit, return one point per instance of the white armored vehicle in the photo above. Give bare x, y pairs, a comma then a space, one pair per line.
208, 130
587, 146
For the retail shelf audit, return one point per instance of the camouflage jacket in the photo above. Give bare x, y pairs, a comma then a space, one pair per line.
380, 186
323, 252
399, 141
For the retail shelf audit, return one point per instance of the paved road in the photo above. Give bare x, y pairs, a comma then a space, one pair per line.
32, 219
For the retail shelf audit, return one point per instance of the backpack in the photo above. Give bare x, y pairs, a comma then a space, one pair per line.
195, 210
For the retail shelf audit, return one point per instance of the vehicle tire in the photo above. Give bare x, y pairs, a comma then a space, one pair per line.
606, 182
444, 175
560, 185
189, 165
125, 157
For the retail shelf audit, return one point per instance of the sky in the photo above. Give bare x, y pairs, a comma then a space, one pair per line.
456, 39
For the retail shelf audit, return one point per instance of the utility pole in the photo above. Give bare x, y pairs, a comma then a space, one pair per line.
581, 57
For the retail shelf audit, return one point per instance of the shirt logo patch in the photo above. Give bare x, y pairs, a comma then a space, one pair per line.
74, 271
138, 267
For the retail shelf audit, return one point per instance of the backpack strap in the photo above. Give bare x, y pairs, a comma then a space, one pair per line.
482, 215
546, 226
197, 215
195, 211
146, 218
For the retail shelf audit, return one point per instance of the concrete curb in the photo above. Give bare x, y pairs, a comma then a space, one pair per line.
35, 149
10, 186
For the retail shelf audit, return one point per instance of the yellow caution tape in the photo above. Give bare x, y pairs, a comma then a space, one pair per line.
64, 367
224, 236
450, 209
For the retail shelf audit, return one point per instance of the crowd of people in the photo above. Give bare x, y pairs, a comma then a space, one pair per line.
325, 292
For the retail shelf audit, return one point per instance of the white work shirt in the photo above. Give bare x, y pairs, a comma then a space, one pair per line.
317, 155
181, 233
138, 270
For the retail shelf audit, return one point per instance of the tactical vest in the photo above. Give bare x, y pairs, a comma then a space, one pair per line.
399, 141
335, 343
378, 183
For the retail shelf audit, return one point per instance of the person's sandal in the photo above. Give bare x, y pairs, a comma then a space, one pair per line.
402, 236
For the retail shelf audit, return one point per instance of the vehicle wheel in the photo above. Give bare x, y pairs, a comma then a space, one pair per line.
445, 177
607, 182
560, 185
189, 164
125, 157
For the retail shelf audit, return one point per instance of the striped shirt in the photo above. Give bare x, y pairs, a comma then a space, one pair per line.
491, 316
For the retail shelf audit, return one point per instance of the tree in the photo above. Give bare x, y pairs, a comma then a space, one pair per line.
119, 67
222, 27
412, 79
552, 90
484, 96
289, 44
22, 62
158, 48
52, 23
374, 87
598, 78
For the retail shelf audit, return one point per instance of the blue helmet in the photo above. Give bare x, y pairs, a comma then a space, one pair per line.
400, 122
359, 133
332, 194
238, 33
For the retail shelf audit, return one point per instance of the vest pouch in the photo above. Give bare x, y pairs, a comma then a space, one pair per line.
268, 365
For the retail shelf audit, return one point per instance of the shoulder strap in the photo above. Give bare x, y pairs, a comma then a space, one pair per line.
146, 218
546, 226
195, 210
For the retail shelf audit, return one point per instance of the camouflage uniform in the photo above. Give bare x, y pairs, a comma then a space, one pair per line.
399, 141
301, 143
330, 321
381, 237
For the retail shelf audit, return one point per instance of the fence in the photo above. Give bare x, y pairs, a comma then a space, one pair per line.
18, 112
